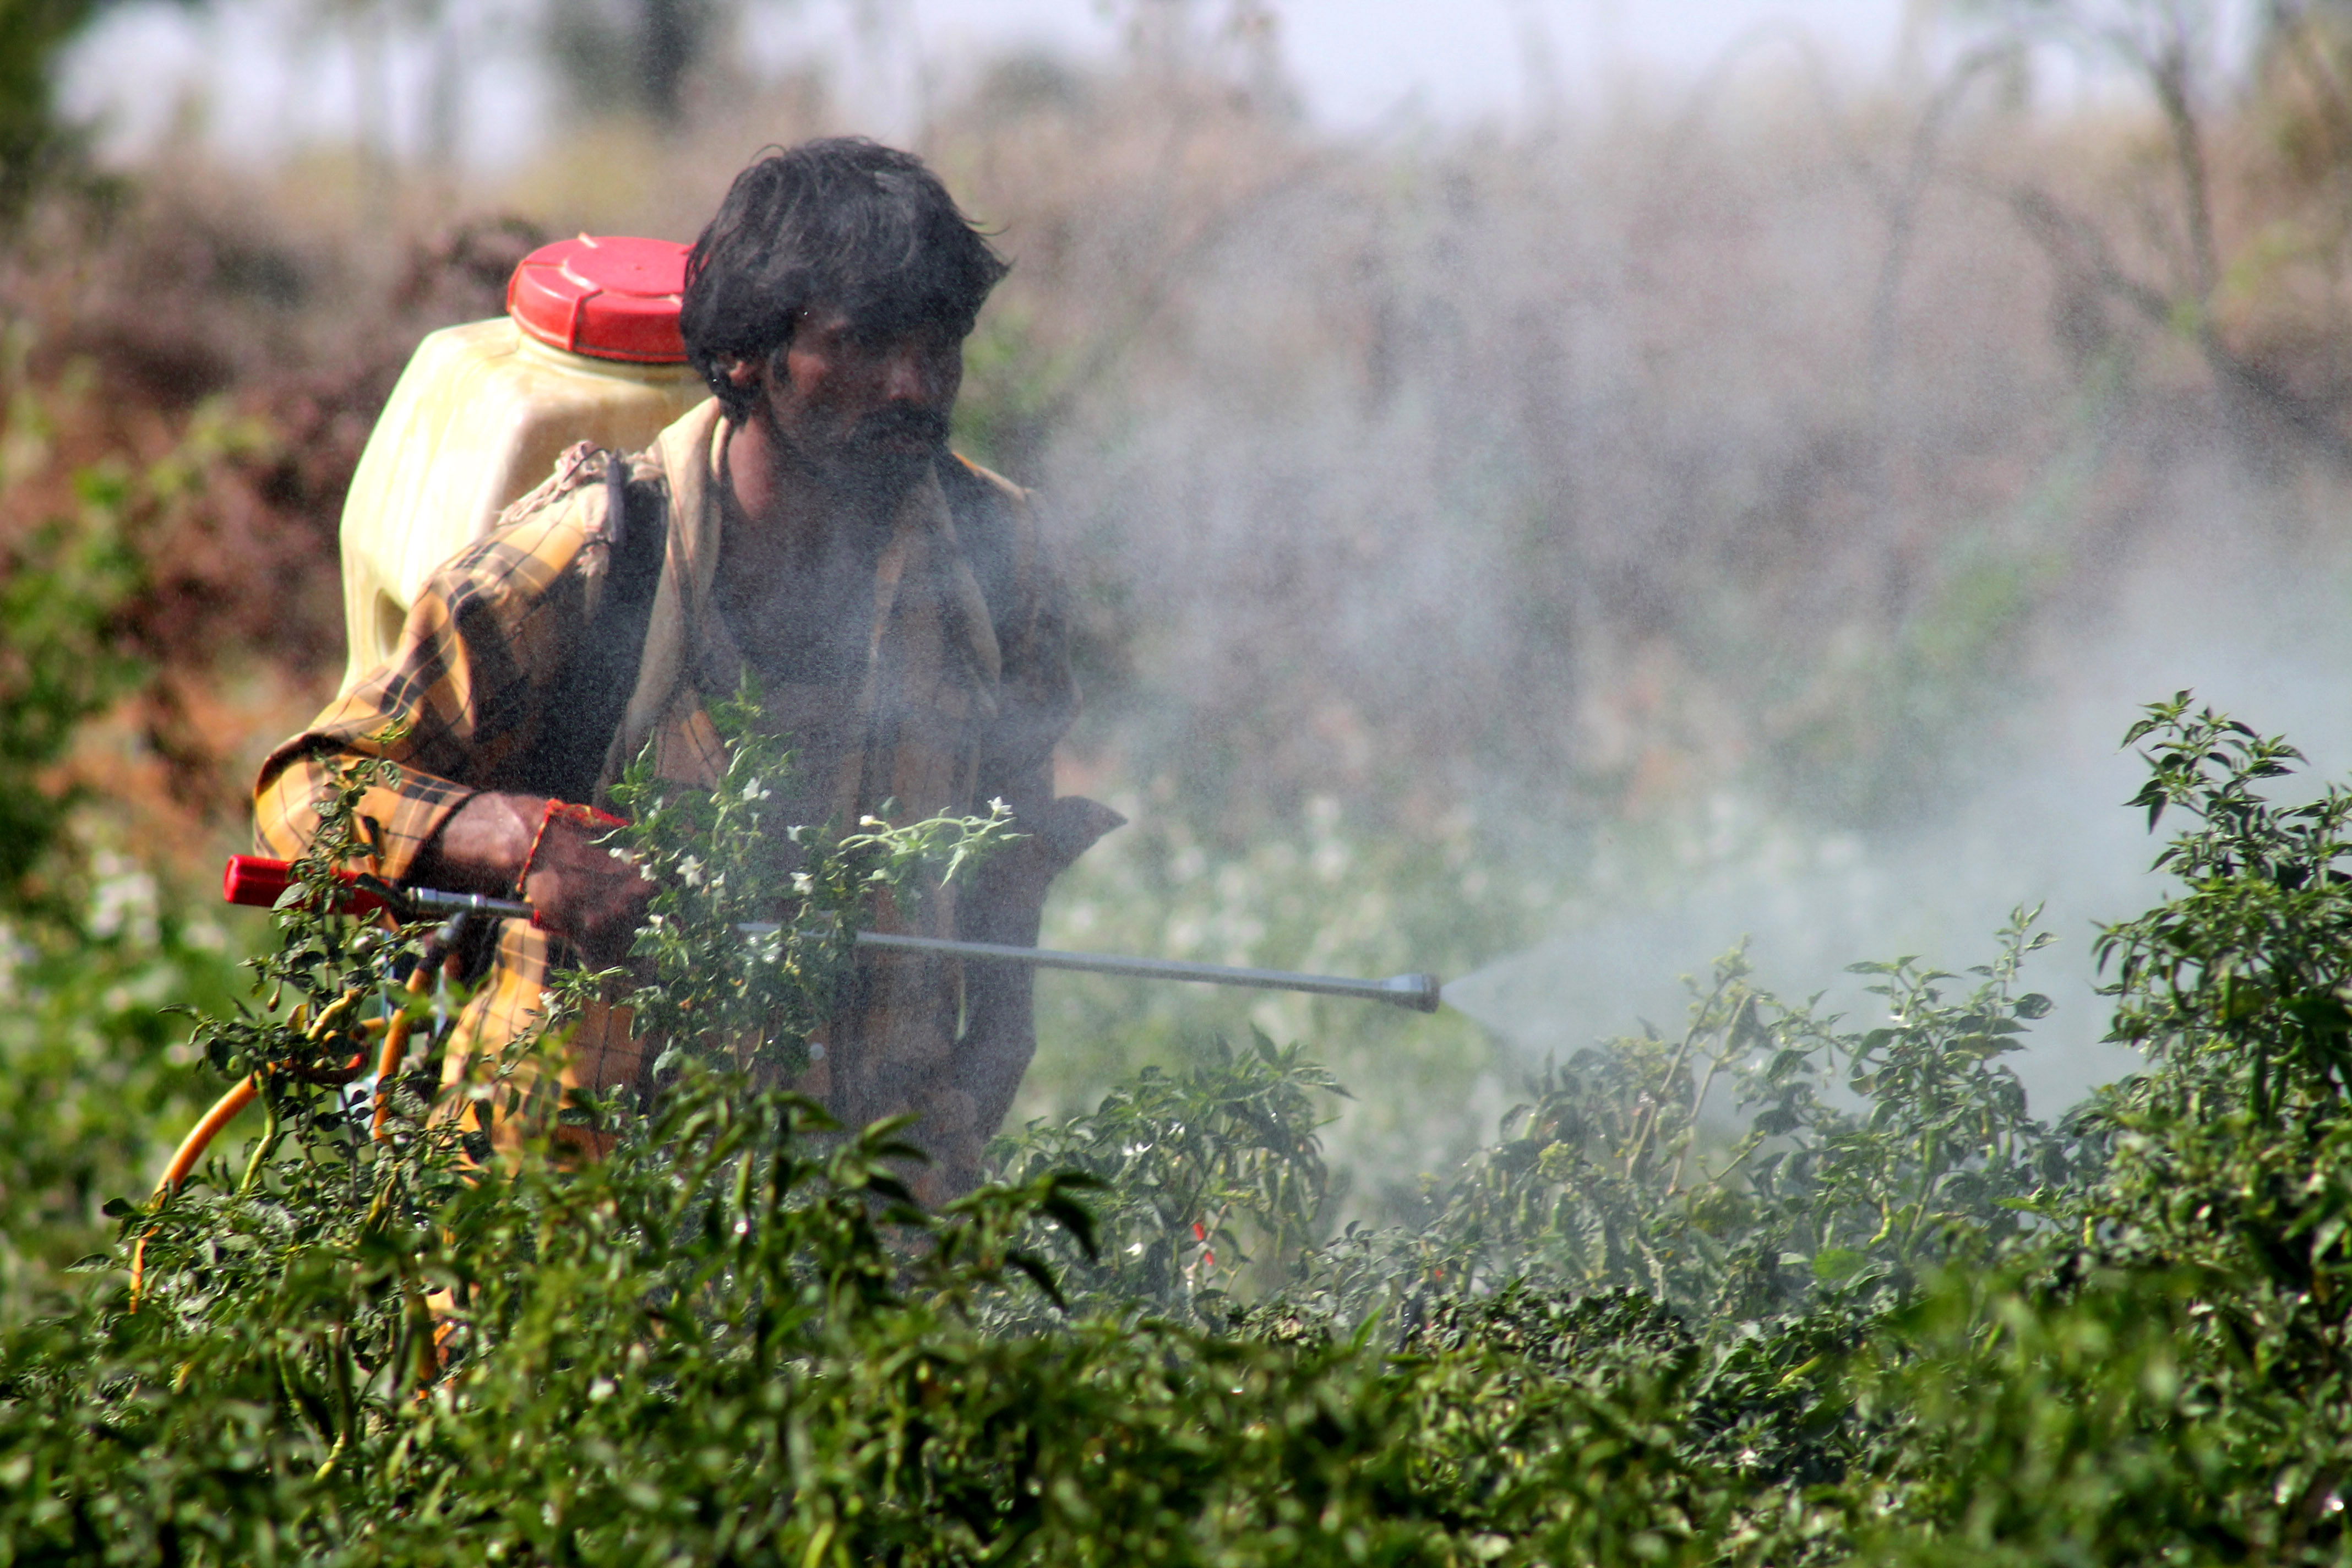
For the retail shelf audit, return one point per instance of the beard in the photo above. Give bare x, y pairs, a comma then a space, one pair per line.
877, 461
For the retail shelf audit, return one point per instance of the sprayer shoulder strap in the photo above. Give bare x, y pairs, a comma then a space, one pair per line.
994, 531
590, 695
575, 468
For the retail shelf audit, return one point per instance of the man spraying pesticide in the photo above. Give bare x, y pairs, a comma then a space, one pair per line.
806, 527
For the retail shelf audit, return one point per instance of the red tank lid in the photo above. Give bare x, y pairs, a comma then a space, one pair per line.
606, 296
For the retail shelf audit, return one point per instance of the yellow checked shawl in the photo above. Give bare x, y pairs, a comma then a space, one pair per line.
964, 691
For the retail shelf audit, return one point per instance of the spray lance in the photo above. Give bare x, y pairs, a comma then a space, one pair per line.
251, 879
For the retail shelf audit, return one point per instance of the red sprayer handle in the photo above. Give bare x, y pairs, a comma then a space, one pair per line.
257, 880
251, 879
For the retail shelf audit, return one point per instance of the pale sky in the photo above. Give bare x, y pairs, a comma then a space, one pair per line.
255, 77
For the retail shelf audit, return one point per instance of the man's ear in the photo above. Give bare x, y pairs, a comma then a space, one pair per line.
747, 375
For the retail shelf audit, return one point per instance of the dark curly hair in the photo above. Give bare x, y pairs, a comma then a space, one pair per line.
844, 223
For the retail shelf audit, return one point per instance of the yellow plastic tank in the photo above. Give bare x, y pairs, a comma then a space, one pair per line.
588, 350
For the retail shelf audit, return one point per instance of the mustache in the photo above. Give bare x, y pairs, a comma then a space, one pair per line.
926, 425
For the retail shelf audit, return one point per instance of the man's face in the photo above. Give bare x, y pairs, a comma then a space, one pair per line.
861, 408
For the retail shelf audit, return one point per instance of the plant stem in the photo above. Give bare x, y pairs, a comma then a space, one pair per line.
268, 1143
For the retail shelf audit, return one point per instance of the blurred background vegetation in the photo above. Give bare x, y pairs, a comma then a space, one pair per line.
1484, 532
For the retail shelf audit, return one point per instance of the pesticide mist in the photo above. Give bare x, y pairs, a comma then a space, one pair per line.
1568, 550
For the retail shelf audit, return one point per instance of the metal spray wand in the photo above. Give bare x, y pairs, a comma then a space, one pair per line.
251, 879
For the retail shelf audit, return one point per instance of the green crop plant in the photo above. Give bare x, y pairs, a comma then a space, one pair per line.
95, 955
1893, 1318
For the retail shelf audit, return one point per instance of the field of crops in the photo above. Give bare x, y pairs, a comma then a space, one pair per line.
1894, 1318
1759, 511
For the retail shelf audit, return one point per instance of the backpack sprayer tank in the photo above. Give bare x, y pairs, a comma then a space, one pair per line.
589, 349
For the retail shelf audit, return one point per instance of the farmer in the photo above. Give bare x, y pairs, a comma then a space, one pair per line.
807, 525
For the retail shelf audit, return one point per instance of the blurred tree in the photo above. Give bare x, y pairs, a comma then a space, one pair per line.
637, 54
2172, 48
33, 141
2303, 72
